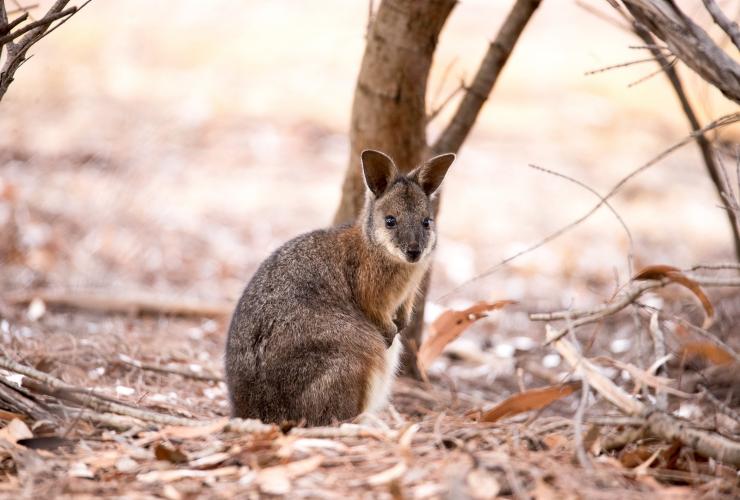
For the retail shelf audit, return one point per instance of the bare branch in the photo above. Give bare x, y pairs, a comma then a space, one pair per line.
728, 26
41, 23
689, 42
126, 303
22, 8
654, 73
488, 72
720, 122
606, 203
620, 65
701, 140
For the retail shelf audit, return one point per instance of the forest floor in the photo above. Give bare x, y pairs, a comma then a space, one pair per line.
148, 167
129, 327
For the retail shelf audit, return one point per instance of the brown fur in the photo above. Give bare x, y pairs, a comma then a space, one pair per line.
310, 337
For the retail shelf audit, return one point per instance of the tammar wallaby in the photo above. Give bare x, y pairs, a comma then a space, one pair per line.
314, 335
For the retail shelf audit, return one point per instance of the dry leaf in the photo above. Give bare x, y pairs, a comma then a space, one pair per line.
449, 325
707, 351
675, 275
15, 431
209, 460
9, 415
169, 453
555, 440
276, 480
532, 399
482, 484
388, 475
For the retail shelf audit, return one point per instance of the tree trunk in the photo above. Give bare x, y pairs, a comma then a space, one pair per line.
389, 108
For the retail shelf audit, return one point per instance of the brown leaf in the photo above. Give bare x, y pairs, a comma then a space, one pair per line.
658, 272
9, 415
169, 453
449, 325
708, 351
533, 399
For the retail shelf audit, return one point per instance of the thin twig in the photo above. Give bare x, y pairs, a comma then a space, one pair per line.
488, 72
24, 8
720, 122
617, 66
44, 22
183, 372
659, 348
728, 26
729, 265
720, 405
654, 73
631, 253
578, 426
435, 112
701, 140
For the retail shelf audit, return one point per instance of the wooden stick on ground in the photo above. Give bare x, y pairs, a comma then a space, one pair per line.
183, 372
126, 303
706, 443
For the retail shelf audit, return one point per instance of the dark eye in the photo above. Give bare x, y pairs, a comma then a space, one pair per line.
390, 221
427, 223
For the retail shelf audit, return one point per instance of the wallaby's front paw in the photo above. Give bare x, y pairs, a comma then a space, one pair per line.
390, 334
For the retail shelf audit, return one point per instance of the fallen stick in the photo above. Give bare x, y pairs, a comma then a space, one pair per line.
628, 297
668, 428
183, 372
127, 303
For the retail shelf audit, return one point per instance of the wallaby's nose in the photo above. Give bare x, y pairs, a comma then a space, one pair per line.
413, 252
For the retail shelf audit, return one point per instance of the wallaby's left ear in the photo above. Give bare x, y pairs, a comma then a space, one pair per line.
430, 174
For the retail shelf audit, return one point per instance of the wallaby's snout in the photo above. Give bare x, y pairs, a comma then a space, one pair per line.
413, 252
398, 213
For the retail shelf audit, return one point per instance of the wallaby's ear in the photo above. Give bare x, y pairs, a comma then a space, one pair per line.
378, 169
430, 174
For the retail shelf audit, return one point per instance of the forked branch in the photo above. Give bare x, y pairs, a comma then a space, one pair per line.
490, 68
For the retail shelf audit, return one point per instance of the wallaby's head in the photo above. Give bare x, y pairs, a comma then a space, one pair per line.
398, 213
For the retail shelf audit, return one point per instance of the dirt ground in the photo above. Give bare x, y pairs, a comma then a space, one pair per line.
149, 159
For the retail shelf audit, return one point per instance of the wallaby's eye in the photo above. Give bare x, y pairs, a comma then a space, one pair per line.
390, 221
427, 223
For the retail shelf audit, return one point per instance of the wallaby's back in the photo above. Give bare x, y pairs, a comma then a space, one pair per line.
298, 347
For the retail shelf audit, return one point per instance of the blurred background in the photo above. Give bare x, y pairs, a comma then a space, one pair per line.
171, 146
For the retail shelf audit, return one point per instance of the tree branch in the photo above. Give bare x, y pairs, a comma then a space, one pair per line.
490, 68
689, 42
728, 26
701, 140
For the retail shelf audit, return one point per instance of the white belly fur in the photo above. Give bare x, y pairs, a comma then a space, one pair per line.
381, 381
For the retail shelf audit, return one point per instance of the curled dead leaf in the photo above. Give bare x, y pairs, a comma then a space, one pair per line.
533, 399
169, 453
674, 275
448, 326
706, 350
